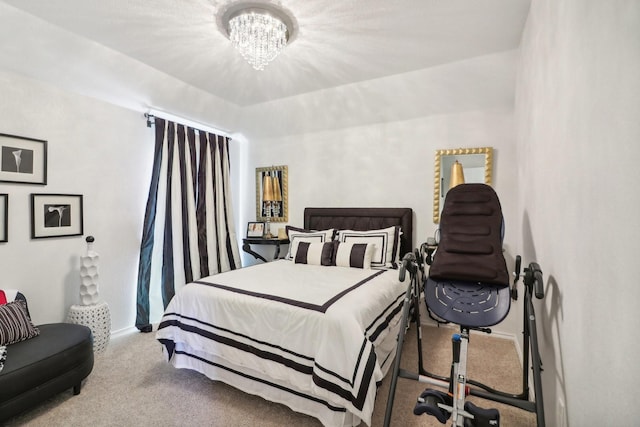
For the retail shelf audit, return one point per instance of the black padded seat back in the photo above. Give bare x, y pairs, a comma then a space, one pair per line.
470, 246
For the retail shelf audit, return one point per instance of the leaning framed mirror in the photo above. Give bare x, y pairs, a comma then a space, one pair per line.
476, 165
272, 194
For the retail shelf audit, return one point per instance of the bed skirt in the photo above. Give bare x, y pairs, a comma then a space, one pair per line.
257, 383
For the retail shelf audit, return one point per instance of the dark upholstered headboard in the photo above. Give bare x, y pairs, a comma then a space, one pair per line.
363, 219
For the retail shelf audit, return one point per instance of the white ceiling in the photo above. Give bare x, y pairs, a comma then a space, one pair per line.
338, 41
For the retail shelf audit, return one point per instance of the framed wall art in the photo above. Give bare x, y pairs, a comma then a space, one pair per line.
56, 215
23, 160
4, 218
255, 229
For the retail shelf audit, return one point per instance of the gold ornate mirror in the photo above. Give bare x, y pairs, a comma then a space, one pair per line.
272, 194
477, 166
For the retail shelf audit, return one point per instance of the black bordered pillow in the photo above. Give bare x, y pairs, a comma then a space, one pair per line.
386, 244
314, 253
297, 235
15, 325
355, 255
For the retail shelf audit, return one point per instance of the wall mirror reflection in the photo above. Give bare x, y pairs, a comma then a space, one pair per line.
272, 194
468, 164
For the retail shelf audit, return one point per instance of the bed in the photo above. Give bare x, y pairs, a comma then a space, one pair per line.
308, 331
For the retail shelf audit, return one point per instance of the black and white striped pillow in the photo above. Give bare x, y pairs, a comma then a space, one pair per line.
314, 253
355, 255
15, 324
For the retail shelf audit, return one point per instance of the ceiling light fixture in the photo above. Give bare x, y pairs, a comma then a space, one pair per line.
259, 31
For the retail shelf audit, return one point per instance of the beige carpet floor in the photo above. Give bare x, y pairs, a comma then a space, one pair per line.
132, 385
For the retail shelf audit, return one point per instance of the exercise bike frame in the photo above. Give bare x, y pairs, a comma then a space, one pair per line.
533, 285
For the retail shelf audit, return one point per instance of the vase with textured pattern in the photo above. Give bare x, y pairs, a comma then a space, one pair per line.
89, 274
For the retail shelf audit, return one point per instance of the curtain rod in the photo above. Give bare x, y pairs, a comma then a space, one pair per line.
150, 116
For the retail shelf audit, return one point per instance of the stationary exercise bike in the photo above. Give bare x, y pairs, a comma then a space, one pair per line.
468, 285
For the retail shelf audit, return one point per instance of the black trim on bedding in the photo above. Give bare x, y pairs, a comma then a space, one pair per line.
267, 355
263, 354
399, 302
346, 291
351, 381
263, 381
169, 345
302, 254
177, 323
358, 401
357, 256
309, 306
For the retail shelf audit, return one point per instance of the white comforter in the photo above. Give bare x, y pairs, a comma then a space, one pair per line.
316, 332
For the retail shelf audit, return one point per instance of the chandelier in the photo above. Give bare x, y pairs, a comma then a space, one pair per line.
258, 31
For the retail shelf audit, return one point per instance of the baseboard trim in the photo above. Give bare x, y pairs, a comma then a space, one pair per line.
123, 332
129, 330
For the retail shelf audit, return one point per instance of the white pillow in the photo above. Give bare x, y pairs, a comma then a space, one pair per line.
297, 235
386, 244
314, 253
355, 255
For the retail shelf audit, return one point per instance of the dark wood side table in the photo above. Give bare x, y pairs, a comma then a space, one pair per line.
246, 246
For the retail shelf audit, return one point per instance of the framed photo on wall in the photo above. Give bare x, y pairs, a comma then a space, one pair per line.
255, 229
4, 218
56, 215
23, 160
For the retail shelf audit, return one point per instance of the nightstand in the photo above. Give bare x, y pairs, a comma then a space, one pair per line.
249, 241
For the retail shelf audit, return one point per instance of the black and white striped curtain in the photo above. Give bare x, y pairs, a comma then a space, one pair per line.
188, 228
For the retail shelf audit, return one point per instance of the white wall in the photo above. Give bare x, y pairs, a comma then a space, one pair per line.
95, 149
388, 164
578, 128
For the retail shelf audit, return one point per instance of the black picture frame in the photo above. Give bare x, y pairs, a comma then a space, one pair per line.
56, 215
23, 160
255, 229
4, 218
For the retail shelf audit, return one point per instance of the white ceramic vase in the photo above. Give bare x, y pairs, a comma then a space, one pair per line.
89, 293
